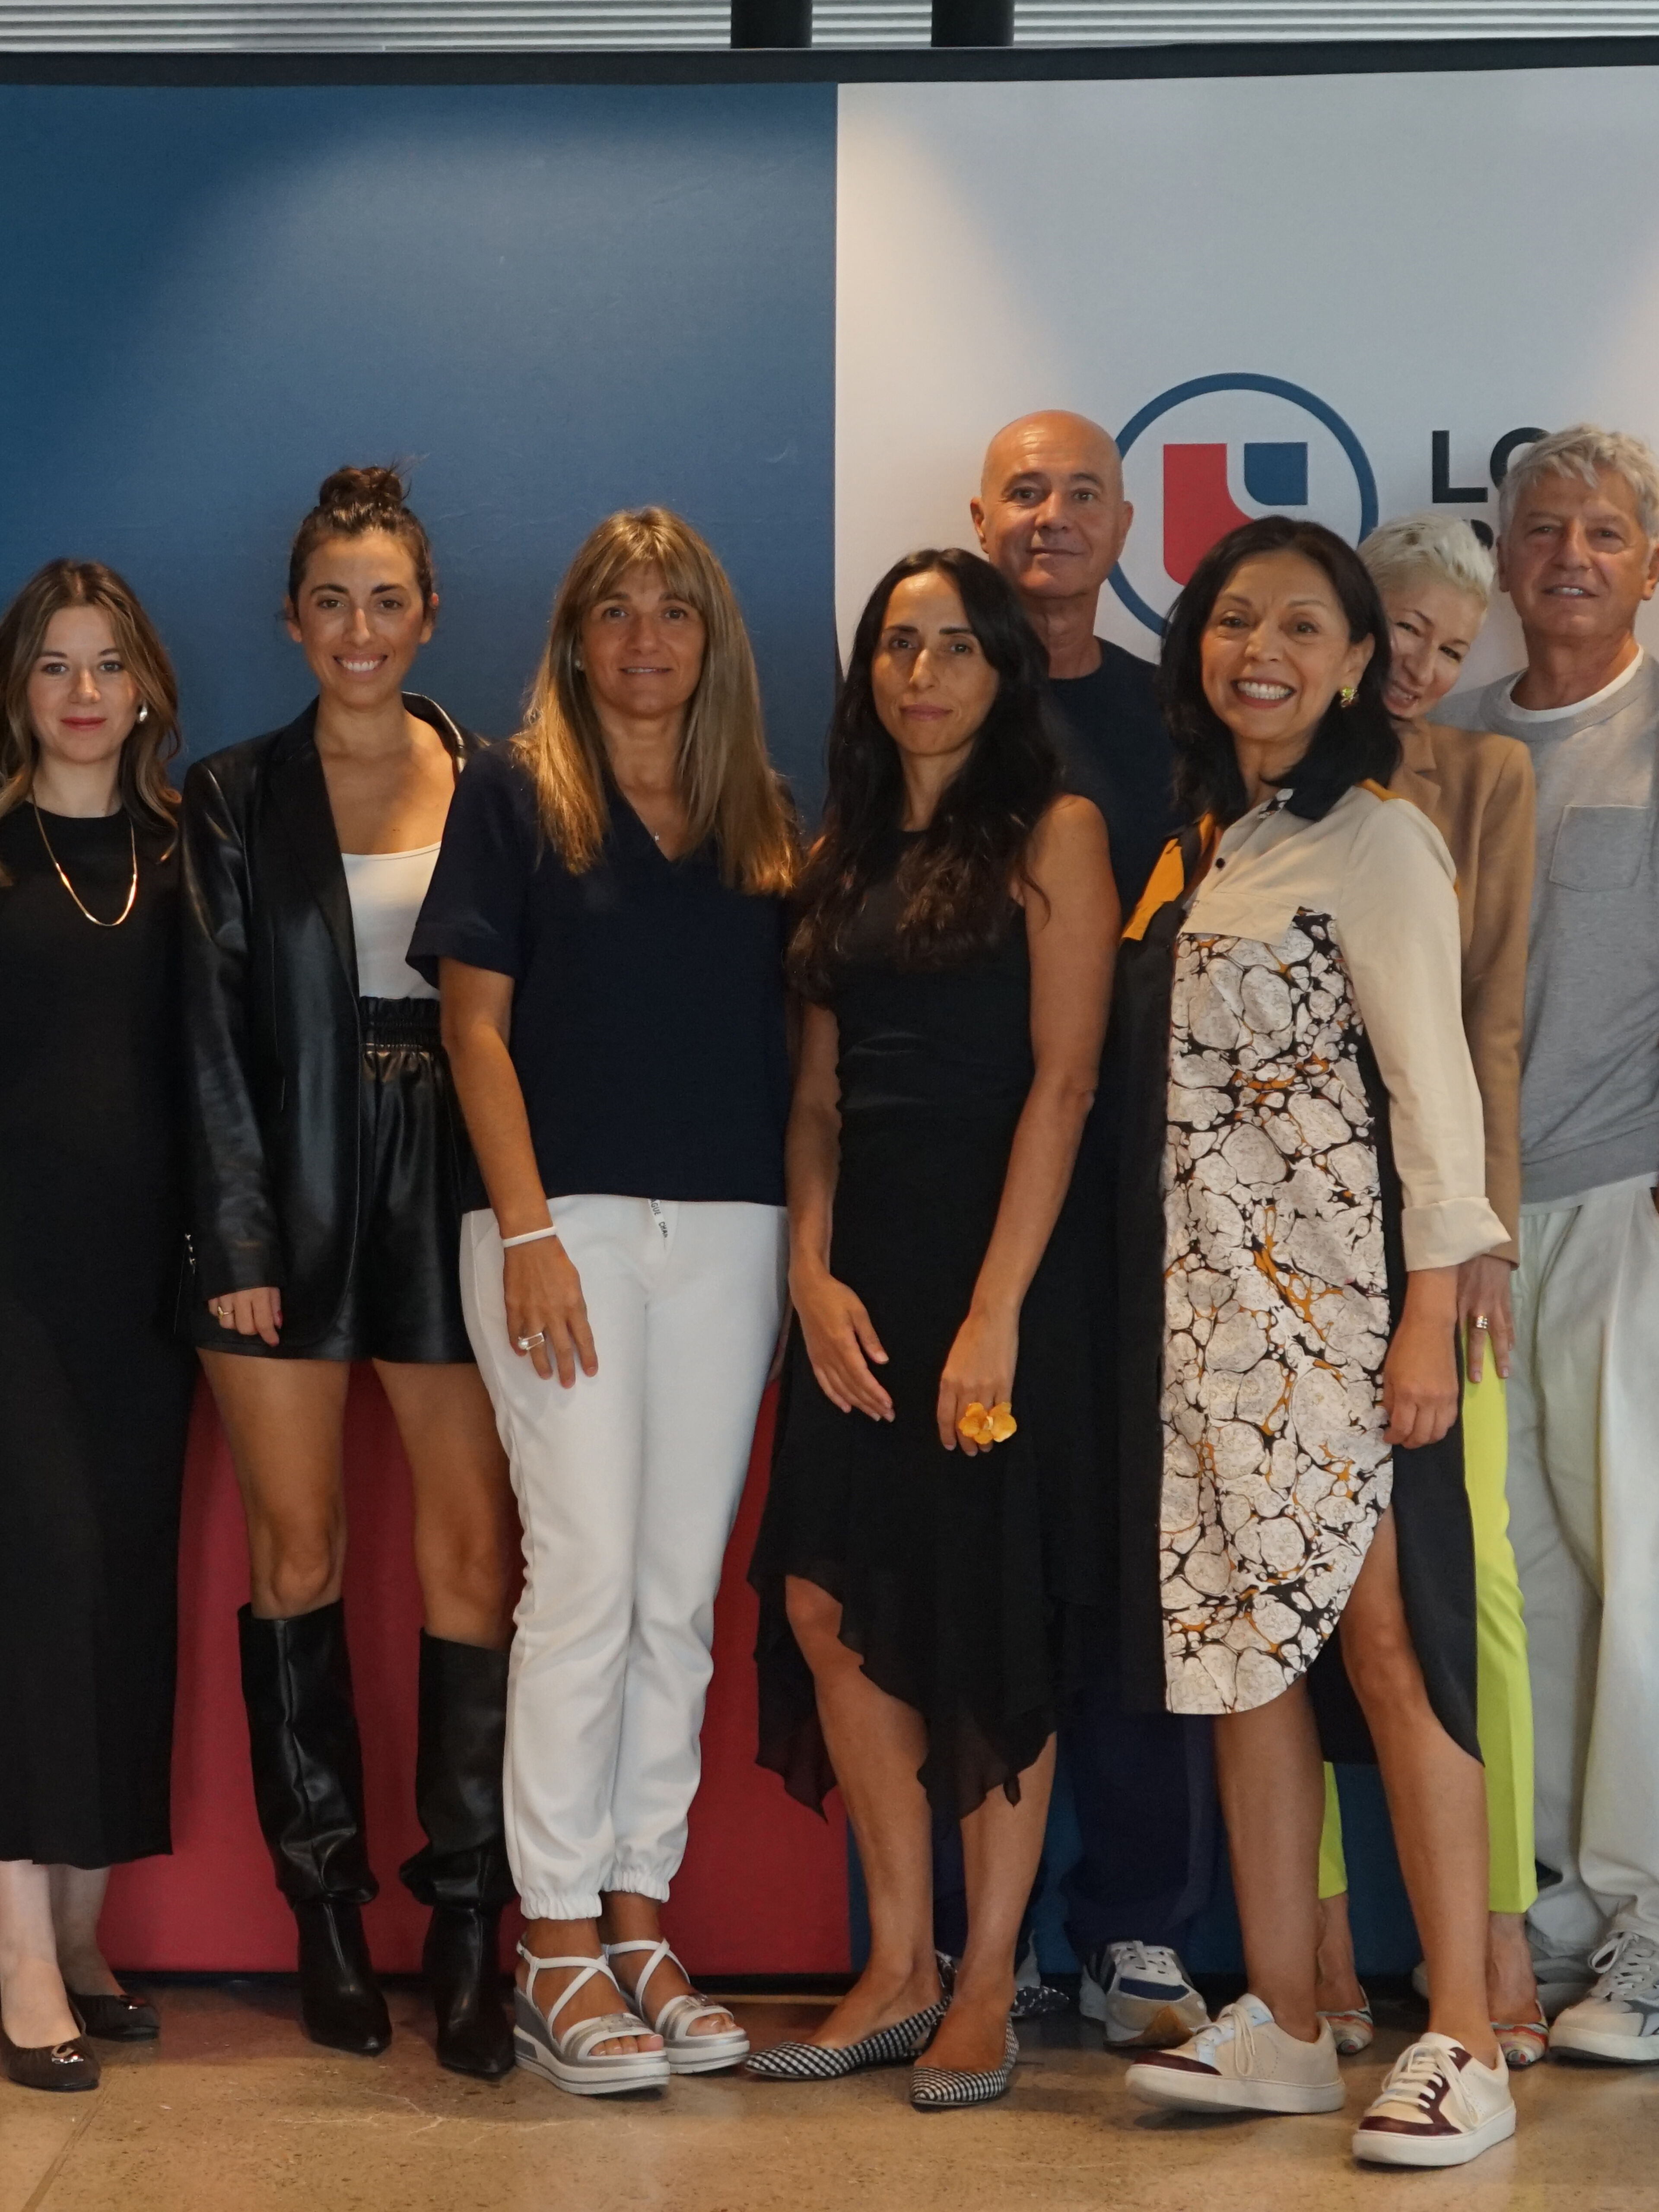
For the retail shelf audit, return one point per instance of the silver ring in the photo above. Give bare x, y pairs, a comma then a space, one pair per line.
1479, 1322
526, 1343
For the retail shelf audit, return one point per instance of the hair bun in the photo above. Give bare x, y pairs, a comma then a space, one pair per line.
360, 487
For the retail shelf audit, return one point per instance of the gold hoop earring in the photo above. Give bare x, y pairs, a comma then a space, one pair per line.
1347, 695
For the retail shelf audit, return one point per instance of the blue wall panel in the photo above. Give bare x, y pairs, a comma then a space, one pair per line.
556, 300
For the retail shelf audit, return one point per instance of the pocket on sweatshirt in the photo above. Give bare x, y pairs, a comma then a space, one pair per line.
1600, 848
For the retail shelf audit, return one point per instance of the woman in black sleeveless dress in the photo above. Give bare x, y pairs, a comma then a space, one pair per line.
928, 1564
95, 1393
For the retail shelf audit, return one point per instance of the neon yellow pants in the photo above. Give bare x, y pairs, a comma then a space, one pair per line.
1503, 1693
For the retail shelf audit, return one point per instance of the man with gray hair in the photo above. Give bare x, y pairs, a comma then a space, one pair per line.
1578, 554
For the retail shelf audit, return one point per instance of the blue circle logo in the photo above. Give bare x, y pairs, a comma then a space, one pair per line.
1230, 448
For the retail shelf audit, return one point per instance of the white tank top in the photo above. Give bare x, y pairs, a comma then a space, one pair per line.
386, 890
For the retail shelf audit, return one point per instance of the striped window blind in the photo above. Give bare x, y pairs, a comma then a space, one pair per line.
389, 26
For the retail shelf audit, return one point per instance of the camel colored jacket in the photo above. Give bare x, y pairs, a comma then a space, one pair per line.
1477, 789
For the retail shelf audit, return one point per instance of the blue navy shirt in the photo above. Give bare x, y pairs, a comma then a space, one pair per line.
647, 1028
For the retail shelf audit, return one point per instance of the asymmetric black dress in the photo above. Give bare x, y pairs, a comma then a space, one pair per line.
94, 1391
970, 1586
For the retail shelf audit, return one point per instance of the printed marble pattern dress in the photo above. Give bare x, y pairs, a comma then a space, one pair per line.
1302, 1127
1274, 1468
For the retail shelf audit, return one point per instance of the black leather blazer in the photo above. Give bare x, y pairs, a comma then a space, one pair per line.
272, 1035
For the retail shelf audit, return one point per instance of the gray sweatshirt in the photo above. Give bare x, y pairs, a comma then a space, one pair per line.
1590, 1080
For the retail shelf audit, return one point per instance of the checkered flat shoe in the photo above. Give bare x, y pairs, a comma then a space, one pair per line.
947, 2089
812, 2062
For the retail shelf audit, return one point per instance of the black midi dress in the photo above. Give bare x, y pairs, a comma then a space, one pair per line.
970, 1587
94, 1391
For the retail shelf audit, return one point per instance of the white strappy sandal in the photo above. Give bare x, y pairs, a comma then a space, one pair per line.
686, 2053
569, 2061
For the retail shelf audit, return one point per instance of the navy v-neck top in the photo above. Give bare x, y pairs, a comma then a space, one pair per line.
648, 1025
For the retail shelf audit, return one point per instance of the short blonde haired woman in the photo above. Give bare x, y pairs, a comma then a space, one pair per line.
1435, 580
607, 918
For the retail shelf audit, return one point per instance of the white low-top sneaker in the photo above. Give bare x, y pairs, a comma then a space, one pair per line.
1139, 1994
1561, 1982
1243, 2062
1439, 2107
1619, 2018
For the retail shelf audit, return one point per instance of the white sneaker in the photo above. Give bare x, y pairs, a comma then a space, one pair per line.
1439, 2107
1562, 1981
1140, 1993
1619, 2018
1242, 2063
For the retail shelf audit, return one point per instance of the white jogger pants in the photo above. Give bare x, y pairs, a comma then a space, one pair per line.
1583, 1491
627, 1484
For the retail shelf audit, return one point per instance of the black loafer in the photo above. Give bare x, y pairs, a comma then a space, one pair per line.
340, 2000
49, 2065
116, 2020
464, 1976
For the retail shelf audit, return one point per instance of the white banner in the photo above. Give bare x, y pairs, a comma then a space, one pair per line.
1341, 296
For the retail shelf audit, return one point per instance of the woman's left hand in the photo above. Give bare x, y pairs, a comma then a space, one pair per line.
979, 1370
1483, 1293
1420, 1375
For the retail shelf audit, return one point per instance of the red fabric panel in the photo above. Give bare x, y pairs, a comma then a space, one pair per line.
763, 1889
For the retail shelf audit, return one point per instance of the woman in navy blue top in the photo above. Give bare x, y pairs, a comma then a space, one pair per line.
606, 922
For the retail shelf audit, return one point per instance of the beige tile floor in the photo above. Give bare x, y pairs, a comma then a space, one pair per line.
233, 2112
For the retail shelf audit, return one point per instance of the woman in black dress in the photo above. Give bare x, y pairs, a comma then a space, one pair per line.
326, 1165
95, 1393
924, 1605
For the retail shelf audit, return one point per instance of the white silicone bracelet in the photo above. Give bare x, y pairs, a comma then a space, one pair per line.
530, 1236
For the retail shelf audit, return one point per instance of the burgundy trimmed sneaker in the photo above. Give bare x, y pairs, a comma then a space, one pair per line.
1439, 2107
1243, 2062
1619, 2020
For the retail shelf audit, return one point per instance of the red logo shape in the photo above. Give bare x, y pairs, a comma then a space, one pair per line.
1198, 507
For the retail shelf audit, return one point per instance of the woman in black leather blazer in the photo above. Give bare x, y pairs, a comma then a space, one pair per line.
328, 1163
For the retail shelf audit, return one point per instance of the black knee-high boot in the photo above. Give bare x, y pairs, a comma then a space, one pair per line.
463, 1874
308, 1786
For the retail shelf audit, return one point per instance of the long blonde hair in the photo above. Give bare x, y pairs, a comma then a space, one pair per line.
145, 792
731, 792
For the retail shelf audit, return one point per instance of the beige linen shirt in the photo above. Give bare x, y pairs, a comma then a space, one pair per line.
1477, 789
1380, 870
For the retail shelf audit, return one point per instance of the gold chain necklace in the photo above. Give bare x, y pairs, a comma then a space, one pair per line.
132, 888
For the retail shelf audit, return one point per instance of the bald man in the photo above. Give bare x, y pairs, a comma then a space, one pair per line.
1051, 514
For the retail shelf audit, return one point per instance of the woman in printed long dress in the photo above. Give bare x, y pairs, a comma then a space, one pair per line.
1323, 1178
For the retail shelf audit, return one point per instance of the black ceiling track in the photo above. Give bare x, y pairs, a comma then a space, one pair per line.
822, 65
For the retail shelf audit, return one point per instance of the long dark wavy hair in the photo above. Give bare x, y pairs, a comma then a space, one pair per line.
954, 881
1350, 744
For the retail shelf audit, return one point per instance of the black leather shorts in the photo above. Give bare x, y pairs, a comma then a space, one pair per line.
403, 1299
